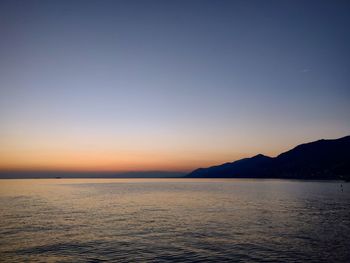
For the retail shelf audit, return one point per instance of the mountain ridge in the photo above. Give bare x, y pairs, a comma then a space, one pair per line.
321, 159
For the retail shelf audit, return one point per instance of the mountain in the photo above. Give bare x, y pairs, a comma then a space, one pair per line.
322, 159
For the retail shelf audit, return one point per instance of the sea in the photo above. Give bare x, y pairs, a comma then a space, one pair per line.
174, 220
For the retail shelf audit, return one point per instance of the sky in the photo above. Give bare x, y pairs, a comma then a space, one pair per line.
168, 85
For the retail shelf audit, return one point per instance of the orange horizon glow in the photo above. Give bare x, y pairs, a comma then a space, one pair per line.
86, 162
98, 151
68, 152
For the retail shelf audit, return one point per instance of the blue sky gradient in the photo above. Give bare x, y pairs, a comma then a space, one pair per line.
139, 85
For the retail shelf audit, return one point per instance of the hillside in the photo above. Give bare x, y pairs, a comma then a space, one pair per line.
322, 159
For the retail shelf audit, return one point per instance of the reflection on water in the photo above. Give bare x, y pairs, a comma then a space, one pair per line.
164, 220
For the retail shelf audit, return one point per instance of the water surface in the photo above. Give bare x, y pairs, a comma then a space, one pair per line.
173, 220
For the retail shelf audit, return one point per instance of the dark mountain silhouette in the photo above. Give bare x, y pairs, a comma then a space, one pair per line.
323, 159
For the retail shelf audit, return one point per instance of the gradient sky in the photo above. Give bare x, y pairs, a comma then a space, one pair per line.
168, 85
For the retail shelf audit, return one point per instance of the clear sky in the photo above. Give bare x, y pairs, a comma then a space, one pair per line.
168, 85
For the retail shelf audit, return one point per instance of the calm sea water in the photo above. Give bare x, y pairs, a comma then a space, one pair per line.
173, 220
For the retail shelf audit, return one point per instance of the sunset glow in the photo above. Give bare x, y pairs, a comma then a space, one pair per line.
128, 86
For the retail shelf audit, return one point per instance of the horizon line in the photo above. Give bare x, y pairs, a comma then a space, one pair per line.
120, 172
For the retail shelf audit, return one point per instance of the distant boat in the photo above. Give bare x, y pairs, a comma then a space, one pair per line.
58, 177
